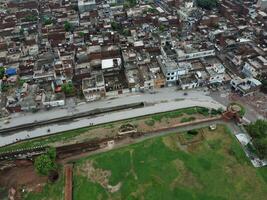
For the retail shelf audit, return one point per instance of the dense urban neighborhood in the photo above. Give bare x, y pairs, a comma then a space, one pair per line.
131, 99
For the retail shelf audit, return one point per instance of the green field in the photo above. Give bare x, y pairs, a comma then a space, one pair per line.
161, 168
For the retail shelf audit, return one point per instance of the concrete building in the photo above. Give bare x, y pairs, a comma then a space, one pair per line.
245, 86
94, 87
216, 73
262, 4
86, 5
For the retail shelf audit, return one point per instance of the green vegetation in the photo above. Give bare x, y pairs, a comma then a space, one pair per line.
3, 193
174, 114
68, 88
203, 111
130, 3
161, 28
81, 34
151, 10
45, 163
158, 169
5, 87
192, 132
264, 85
21, 82
31, 18
119, 28
2, 72
258, 132
68, 26
150, 122
189, 111
207, 4
48, 21
21, 31
126, 32
187, 119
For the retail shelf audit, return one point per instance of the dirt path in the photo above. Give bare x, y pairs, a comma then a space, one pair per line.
68, 182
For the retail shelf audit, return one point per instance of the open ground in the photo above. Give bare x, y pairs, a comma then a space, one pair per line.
206, 165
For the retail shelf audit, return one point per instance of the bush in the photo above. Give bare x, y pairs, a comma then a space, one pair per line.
192, 132
68, 26
203, 111
258, 132
68, 88
190, 111
207, 4
45, 163
215, 112
150, 122
187, 119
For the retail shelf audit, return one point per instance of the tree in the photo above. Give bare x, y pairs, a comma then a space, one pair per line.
68, 26
161, 28
68, 88
258, 132
31, 18
2, 72
264, 85
207, 4
126, 32
48, 21
116, 26
130, 3
43, 164
52, 153
81, 34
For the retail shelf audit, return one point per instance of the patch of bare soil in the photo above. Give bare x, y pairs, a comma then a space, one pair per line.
99, 176
22, 175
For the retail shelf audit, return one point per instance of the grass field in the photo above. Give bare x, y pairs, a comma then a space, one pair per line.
161, 168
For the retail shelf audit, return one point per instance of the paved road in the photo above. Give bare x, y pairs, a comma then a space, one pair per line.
163, 100
110, 117
166, 94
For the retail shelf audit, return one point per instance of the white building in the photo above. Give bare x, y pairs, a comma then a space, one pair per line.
249, 70
86, 5
94, 87
189, 56
245, 86
216, 73
172, 70
262, 4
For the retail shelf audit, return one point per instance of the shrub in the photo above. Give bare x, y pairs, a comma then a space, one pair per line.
192, 132
203, 111
150, 122
187, 119
44, 164
190, 111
